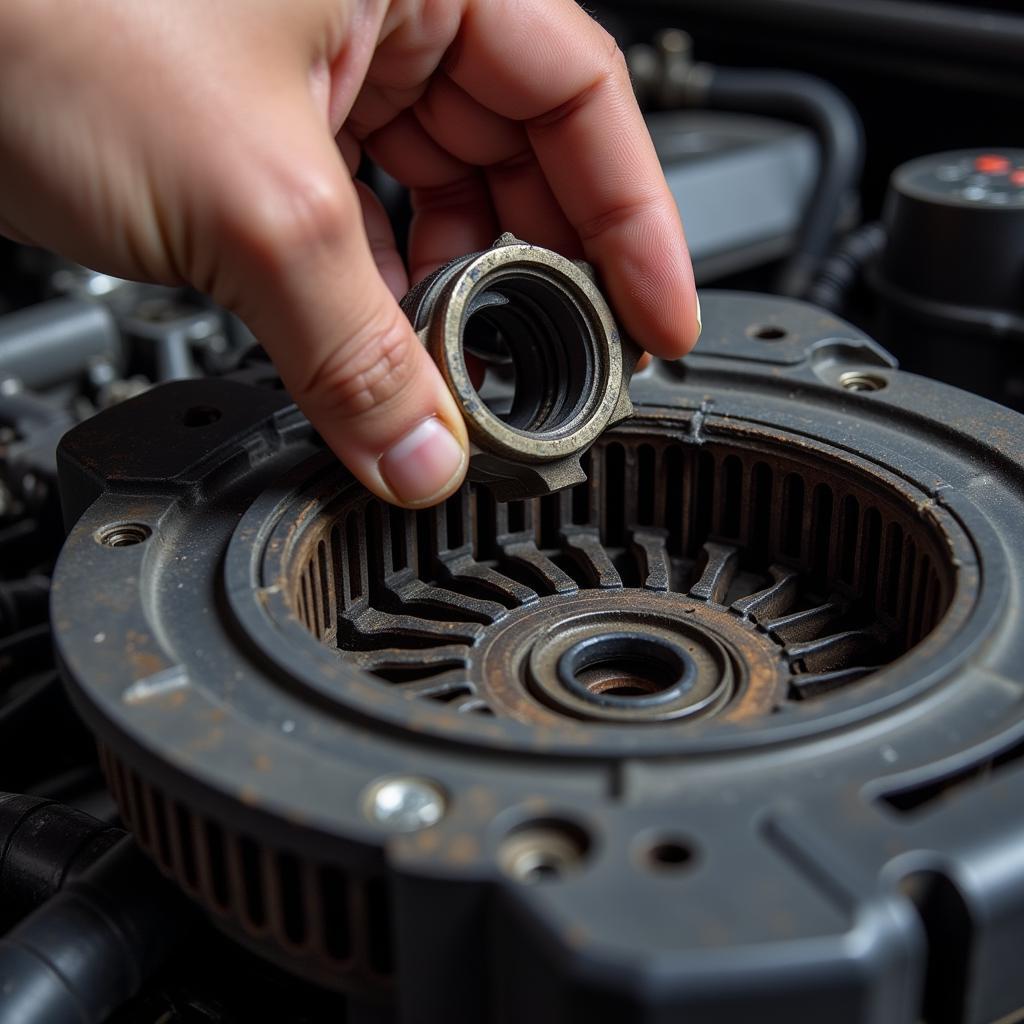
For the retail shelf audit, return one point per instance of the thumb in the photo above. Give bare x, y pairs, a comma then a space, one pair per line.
305, 281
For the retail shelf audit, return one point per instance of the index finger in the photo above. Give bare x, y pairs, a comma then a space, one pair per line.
549, 65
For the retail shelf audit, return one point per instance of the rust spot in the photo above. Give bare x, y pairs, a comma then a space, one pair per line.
463, 848
249, 796
427, 841
482, 801
210, 741
144, 663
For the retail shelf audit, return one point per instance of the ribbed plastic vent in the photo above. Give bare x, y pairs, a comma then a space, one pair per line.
836, 568
333, 923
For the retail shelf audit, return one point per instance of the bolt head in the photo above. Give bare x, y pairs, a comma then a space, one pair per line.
405, 803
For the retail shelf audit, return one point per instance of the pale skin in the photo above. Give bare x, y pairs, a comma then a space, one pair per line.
213, 142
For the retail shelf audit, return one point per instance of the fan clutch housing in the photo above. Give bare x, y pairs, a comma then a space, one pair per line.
732, 730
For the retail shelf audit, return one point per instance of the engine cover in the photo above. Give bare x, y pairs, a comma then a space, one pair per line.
733, 730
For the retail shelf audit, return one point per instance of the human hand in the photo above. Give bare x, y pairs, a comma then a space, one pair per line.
214, 143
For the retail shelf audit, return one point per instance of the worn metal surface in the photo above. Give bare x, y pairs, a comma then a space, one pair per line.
544, 318
811, 558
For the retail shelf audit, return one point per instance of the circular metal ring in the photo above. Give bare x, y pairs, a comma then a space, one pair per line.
598, 335
636, 655
700, 670
545, 317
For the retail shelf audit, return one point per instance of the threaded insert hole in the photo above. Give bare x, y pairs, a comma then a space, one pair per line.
543, 850
623, 668
123, 535
630, 676
855, 380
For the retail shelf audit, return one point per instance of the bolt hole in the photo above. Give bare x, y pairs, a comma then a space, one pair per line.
767, 332
544, 850
201, 416
623, 688
627, 677
670, 855
640, 670
544, 869
123, 535
628, 667
855, 380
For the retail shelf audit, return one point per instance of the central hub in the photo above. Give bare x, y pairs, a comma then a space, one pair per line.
626, 670
627, 657
645, 674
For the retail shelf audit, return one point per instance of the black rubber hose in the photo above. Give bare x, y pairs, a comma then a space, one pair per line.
43, 845
957, 31
89, 948
844, 269
812, 102
666, 77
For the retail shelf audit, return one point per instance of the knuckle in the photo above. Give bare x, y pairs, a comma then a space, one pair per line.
608, 71
614, 218
295, 216
372, 368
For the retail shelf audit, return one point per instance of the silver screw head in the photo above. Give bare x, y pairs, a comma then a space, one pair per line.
404, 803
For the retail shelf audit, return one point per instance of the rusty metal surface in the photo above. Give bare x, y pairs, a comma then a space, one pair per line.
790, 577
823, 580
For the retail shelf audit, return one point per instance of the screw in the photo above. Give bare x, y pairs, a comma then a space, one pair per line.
405, 804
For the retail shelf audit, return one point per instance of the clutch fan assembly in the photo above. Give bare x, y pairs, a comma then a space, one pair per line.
732, 730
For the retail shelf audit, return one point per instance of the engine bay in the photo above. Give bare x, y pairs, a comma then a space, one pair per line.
719, 718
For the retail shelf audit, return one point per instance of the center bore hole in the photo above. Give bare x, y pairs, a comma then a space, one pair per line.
633, 675
623, 668
530, 352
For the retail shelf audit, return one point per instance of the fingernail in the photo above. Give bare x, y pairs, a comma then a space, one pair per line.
422, 465
700, 325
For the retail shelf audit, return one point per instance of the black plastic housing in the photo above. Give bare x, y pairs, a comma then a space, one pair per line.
856, 856
951, 276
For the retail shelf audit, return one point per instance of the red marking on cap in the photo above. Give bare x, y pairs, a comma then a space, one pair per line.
992, 163
1017, 178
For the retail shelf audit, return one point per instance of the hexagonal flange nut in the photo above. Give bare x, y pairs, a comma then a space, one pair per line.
571, 406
